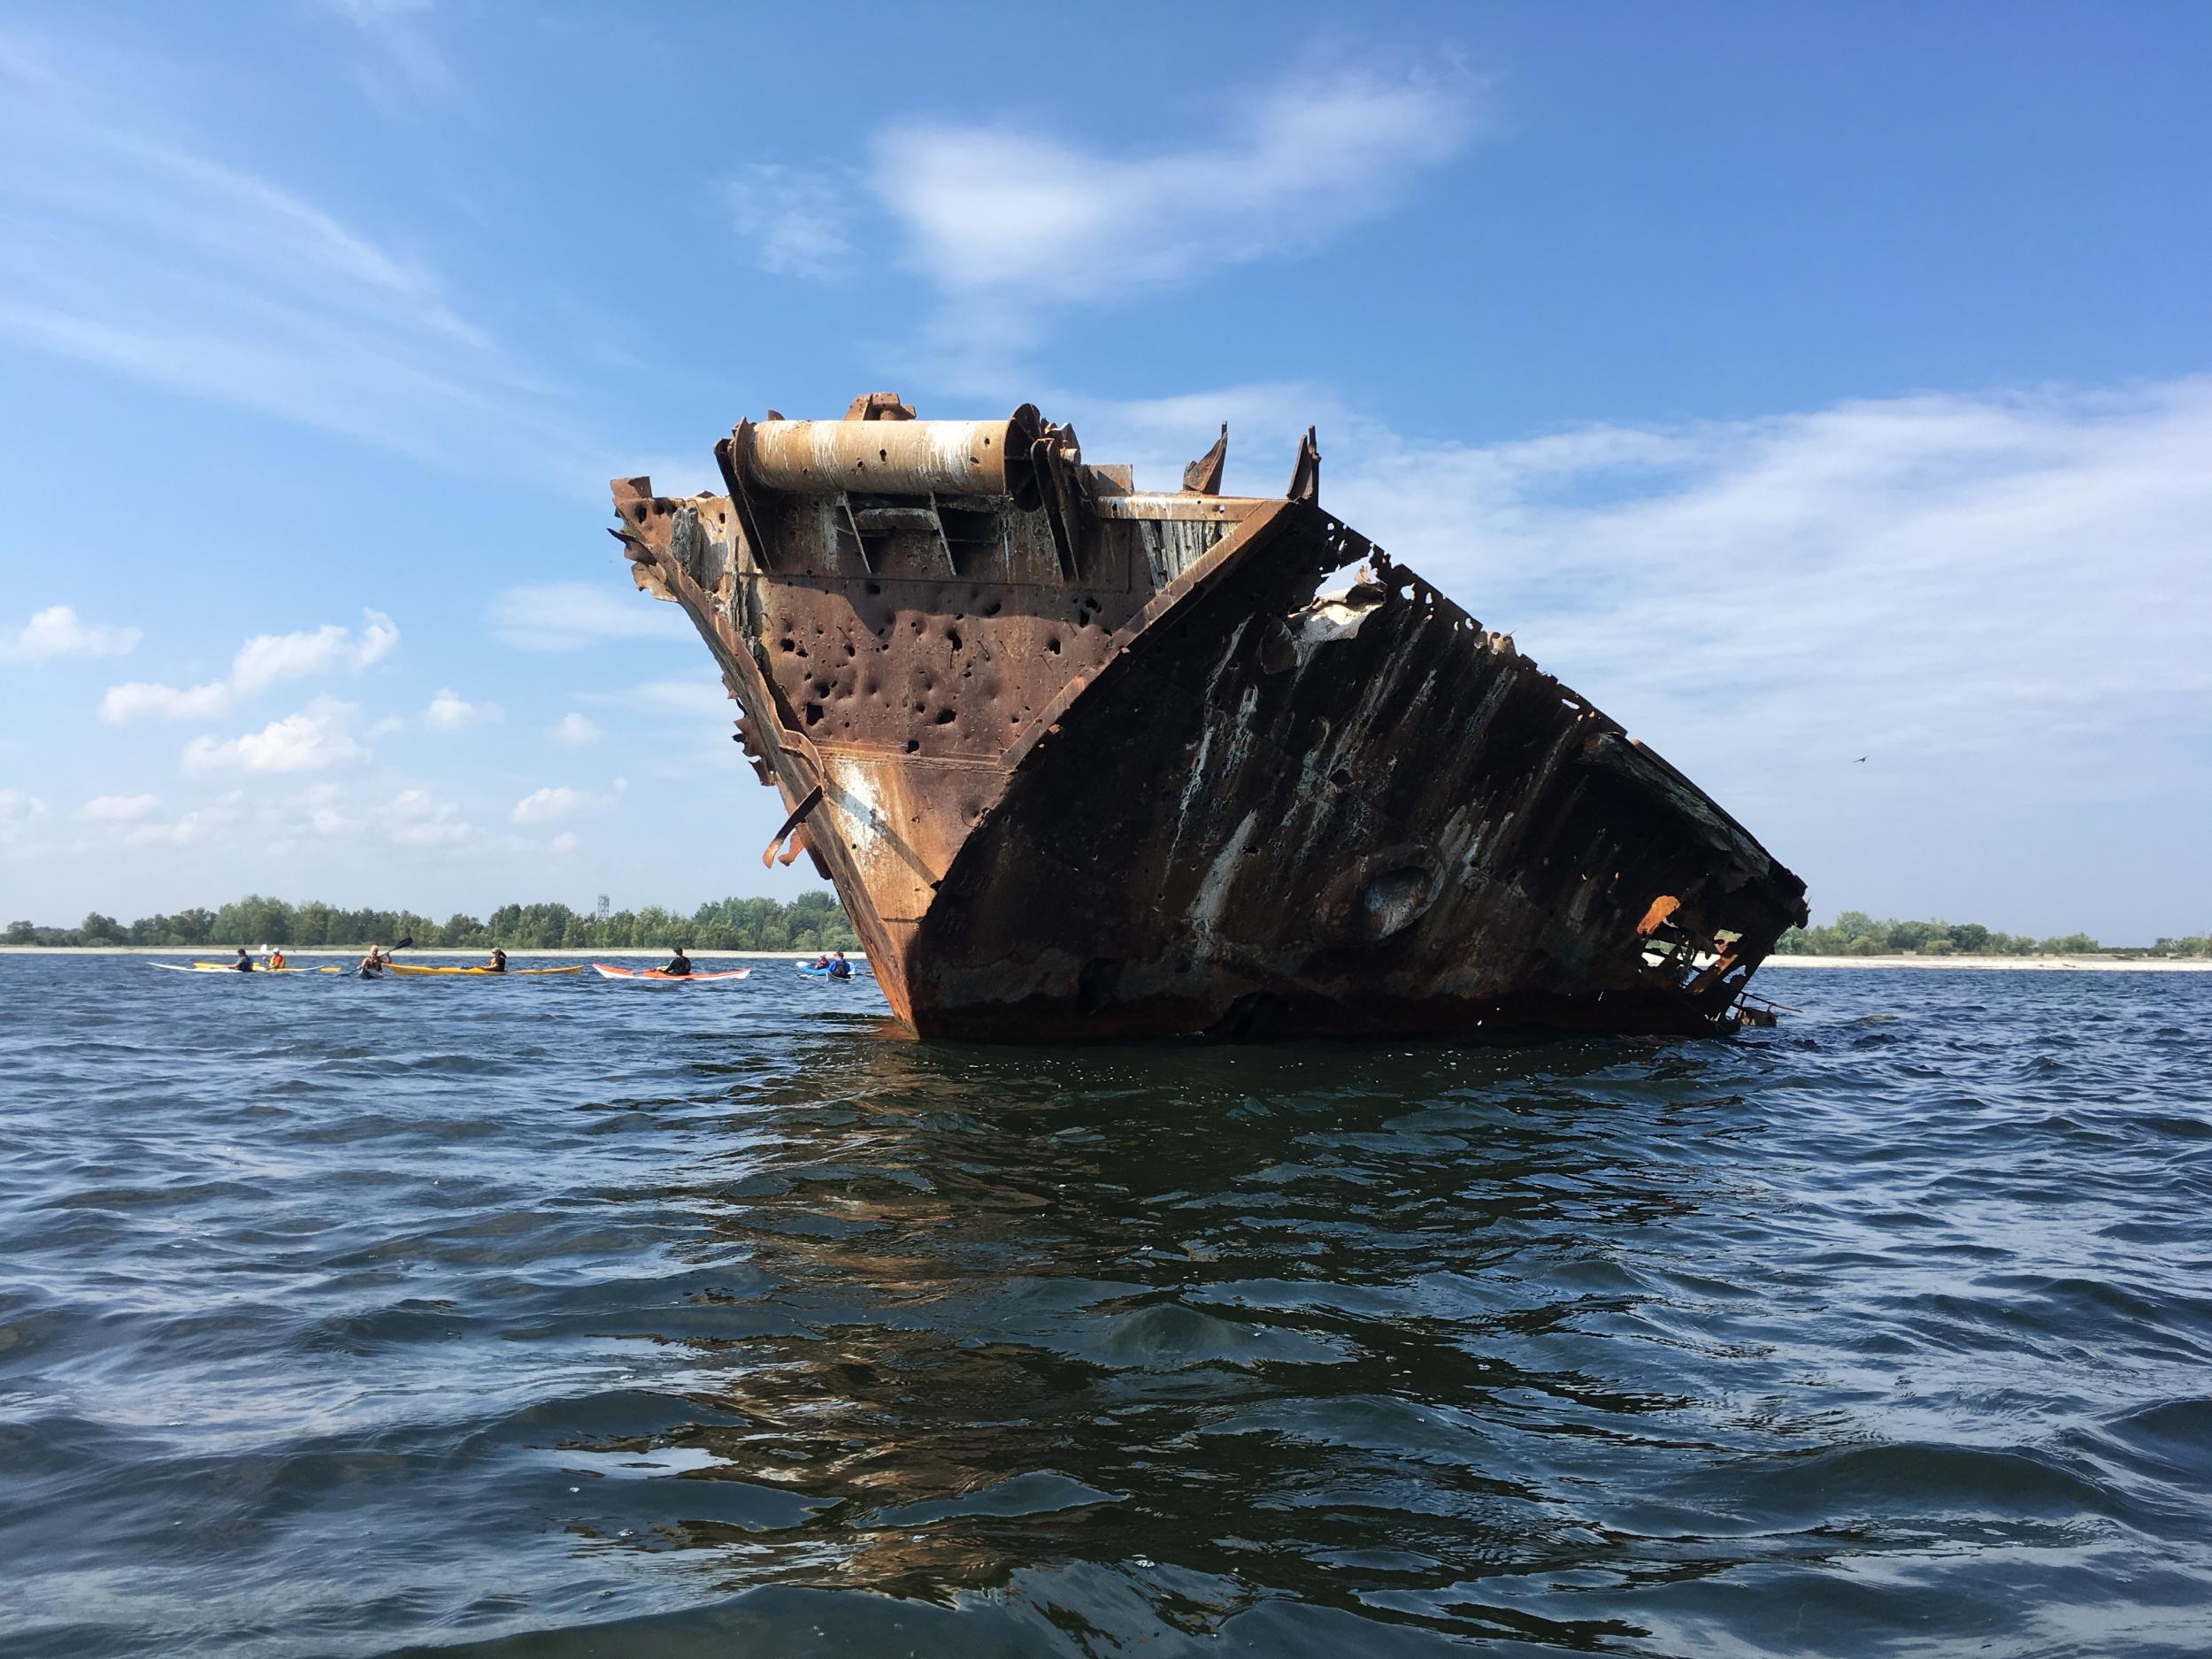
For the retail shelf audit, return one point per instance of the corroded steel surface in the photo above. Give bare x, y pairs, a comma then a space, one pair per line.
1089, 761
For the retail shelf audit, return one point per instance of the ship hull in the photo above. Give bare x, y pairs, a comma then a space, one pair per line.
1267, 816
1234, 771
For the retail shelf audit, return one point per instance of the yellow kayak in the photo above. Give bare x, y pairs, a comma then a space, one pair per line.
489, 973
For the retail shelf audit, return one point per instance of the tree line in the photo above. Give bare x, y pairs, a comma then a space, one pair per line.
813, 921
1855, 934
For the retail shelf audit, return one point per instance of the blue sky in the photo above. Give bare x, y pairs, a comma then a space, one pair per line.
1797, 385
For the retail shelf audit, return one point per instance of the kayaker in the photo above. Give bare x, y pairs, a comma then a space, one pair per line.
373, 964
245, 964
840, 969
821, 964
276, 959
498, 964
679, 965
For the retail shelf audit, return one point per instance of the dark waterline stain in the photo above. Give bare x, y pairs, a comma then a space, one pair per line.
560, 1317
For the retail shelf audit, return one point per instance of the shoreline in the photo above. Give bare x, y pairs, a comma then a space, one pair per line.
583, 954
2003, 965
1947, 965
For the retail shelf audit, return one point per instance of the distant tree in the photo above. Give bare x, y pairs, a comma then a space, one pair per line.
812, 921
2070, 945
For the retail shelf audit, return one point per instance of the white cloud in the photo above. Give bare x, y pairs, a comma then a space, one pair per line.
117, 809
414, 818
318, 737
2002, 601
1925, 574
566, 616
1002, 211
56, 632
268, 658
140, 700
557, 802
665, 696
194, 827
574, 729
18, 813
792, 222
409, 61
134, 252
261, 662
447, 712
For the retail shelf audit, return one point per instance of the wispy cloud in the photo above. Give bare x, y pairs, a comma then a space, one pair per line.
261, 662
569, 616
156, 259
318, 737
448, 712
792, 222
57, 632
117, 809
198, 824
18, 811
991, 210
415, 817
2009, 584
557, 803
665, 696
574, 730
406, 57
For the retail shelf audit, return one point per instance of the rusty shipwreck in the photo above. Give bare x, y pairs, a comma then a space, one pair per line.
1087, 760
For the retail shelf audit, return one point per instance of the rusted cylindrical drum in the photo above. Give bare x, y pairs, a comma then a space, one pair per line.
895, 457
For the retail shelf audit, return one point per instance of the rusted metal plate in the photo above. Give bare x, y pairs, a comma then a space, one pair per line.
1084, 761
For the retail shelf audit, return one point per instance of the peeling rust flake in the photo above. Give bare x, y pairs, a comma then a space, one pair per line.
1086, 761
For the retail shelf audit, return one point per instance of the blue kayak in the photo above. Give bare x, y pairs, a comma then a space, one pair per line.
815, 972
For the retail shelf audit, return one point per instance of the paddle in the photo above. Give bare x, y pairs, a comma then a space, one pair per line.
402, 945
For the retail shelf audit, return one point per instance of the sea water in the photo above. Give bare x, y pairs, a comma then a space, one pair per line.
568, 1316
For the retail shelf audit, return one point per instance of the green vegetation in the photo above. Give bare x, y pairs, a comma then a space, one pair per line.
1855, 934
812, 921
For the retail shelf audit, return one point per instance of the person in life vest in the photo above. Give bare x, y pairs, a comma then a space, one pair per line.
840, 969
498, 964
275, 954
373, 964
679, 965
245, 964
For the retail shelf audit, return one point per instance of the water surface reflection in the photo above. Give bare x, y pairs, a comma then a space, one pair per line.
1382, 1345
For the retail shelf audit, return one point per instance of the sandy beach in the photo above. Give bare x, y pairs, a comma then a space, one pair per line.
2007, 964
586, 953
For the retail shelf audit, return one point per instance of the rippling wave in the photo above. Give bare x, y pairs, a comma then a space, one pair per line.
568, 1317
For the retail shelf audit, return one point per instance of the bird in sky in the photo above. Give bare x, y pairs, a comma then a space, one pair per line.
1860, 761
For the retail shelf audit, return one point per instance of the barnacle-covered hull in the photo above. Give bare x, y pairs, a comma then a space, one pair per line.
1084, 761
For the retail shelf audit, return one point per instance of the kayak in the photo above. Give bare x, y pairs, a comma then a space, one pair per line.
491, 973
230, 967
813, 972
607, 970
